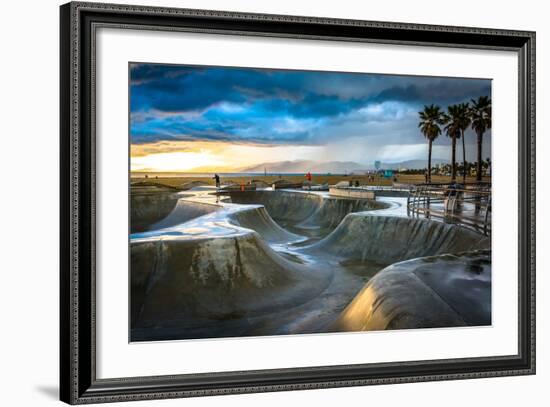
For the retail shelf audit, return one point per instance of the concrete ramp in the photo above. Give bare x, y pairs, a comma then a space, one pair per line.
150, 204
306, 211
188, 288
184, 211
430, 292
256, 218
332, 211
281, 205
388, 239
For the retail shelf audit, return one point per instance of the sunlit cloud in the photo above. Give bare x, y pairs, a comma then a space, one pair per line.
180, 161
213, 156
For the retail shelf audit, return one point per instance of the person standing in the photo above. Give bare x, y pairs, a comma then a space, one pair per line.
308, 181
217, 178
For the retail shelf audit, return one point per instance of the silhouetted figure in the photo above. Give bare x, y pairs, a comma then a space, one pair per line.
454, 188
217, 178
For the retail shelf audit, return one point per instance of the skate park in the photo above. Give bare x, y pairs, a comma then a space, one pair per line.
207, 263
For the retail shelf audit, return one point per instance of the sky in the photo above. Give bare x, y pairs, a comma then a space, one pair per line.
223, 119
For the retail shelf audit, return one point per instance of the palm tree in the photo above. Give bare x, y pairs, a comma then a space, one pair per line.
453, 125
463, 121
430, 120
480, 116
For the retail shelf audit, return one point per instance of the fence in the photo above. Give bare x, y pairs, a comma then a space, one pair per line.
468, 205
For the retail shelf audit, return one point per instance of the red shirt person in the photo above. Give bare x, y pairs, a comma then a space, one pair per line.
308, 176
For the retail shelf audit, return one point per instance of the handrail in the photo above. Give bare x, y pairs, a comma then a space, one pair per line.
466, 205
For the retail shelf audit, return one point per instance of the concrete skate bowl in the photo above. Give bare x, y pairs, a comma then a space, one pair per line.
226, 273
309, 214
184, 211
157, 207
257, 219
227, 286
389, 239
150, 203
430, 292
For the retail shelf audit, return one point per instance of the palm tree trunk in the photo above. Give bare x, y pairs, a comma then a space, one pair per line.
453, 159
429, 178
463, 159
479, 144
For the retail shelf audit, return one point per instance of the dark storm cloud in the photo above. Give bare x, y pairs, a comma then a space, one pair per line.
170, 102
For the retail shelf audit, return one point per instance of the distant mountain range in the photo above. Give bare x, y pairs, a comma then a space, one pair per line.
335, 167
299, 166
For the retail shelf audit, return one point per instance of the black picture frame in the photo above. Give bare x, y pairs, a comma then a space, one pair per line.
78, 382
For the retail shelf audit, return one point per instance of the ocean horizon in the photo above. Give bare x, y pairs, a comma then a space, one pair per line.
140, 174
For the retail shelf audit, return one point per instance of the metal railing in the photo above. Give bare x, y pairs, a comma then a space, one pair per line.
468, 205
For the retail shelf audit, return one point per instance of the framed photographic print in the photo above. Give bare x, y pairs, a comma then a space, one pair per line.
256, 203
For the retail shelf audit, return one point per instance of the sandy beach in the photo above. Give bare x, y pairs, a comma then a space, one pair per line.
179, 181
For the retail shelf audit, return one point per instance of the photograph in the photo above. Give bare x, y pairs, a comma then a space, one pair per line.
267, 202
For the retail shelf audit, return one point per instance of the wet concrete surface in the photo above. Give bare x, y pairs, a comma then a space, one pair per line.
252, 264
429, 292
